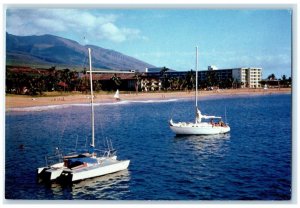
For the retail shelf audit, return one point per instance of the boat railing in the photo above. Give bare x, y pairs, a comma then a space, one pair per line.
109, 153
53, 159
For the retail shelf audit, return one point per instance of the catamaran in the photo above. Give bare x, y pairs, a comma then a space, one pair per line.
203, 125
85, 165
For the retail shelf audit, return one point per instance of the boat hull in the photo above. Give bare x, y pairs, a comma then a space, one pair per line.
199, 130
95, 171
51, 173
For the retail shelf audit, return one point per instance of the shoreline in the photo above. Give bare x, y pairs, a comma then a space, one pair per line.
21, 101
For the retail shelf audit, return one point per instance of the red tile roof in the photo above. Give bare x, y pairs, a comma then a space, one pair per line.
125, 76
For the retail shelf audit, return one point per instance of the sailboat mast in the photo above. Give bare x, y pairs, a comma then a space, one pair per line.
92, 100
196, 91
196, 95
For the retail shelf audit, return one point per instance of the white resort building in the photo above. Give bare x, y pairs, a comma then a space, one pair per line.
248, 77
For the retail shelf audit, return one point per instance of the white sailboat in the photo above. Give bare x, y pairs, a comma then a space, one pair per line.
203, 125
87, 165
117, 95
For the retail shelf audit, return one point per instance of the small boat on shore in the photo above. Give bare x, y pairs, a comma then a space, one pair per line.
117, 95
203, 125
85, 165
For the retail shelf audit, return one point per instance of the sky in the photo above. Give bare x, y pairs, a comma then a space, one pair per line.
226, 38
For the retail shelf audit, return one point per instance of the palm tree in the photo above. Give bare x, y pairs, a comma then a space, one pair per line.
83, 85
137, 77
164, 75
290, 81
73, 80
171, 82
116, 80
284, 81
97, 85
35, 85
66, 77
189, 80
163, 71
20, 81
51, 79
271, 77
175, 83
212, 78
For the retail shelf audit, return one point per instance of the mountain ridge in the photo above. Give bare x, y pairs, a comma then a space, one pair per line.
54, 50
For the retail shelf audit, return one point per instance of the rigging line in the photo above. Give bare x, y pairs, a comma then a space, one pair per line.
131, 122
103, 140
225, 116
111, 145
107, 143
172, 111
63, 128
86, 141
76, 143
62, 132
101, 127
85, 60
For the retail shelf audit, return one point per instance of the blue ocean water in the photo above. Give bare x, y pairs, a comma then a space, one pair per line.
252, 162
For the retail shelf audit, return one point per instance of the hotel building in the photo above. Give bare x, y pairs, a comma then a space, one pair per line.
248, 77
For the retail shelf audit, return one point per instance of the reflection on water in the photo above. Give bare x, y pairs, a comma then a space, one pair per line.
205, 144
112, 186
109, 187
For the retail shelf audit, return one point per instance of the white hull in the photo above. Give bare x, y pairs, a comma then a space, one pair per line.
83, 166
107, 167
40, 170
198, 129
51, 173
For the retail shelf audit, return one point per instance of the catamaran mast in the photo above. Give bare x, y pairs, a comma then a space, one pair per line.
196, 92
92, 100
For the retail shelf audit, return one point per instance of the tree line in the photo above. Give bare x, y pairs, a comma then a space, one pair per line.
39, 81
277, 82
36, 82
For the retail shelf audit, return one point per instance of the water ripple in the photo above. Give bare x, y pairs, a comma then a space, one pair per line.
252, 162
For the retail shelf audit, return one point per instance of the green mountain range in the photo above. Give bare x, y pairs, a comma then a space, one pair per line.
50, 50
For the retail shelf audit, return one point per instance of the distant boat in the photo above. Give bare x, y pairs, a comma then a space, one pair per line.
117, 95
85, 165
203, 125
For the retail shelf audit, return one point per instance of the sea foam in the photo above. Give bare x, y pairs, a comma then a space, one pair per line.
54, 107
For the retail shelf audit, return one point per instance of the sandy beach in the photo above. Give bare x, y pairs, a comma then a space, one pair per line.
13, 101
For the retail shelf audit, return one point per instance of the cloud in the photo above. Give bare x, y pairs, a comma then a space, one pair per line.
69, 21
278, 64
110, 31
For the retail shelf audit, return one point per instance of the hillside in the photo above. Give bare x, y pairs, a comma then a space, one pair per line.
58, 51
